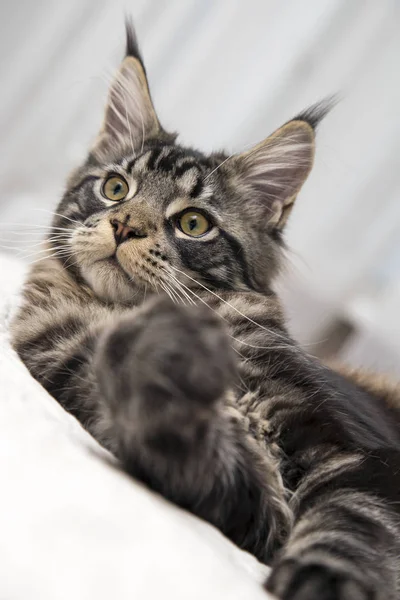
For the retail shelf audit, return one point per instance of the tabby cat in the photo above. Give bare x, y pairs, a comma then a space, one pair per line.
204, 396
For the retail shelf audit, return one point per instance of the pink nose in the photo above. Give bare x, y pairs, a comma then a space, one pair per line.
122, 232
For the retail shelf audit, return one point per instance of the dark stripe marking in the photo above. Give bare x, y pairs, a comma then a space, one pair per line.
52, 335
151, 163
237, 250
59, 378
184, 167
82, 183
197, 188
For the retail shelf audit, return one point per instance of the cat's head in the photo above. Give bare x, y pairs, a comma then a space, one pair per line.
145, 212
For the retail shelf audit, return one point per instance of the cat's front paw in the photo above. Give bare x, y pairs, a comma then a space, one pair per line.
294, 579
161, 372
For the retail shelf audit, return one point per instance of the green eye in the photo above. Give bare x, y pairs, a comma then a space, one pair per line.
193, 223
115, 188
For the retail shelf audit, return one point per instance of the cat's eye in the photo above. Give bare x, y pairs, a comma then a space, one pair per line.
115, 188
193, 223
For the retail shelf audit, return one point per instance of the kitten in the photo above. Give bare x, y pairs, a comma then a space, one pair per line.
204, 396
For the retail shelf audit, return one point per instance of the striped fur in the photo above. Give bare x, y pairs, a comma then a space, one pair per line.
204, 396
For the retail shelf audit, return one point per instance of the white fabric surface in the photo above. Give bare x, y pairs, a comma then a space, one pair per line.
73, 527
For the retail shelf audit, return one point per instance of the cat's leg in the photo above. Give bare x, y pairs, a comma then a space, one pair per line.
151, 385
164, 377
346, 542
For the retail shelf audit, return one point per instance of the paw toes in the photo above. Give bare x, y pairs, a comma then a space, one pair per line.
292, 580
167, 350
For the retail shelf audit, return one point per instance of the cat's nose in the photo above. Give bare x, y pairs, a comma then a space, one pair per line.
122, 232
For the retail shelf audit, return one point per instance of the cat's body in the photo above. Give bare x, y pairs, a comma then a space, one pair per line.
294, 462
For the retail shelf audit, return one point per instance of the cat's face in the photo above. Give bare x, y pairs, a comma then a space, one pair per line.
144, 213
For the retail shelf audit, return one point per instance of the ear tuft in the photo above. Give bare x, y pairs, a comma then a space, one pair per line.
132, 45
317, 112
130, 118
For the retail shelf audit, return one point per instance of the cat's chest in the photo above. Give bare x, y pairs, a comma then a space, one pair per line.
253, 415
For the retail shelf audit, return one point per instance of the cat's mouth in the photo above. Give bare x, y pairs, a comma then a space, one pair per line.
110, 281
113, 262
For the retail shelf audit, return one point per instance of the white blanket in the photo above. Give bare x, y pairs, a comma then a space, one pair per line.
73, 527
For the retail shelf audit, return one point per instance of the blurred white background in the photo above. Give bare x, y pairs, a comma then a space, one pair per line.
226, 73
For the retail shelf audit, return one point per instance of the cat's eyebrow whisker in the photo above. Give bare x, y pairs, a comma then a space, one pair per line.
220, 165
226, 160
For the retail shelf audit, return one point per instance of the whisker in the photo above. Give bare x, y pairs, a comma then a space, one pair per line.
67, 264
177, 284
33, 262
60, 215
30, 229
182, 294
220, 165
162, 285
273, 333
198, 297
172, 291
30, 246
228, 304
38, 252
4, 247
224, 161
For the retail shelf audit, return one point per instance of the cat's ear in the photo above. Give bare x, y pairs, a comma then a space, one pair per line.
272, 173
130, 117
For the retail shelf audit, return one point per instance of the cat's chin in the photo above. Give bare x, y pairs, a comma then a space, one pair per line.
110, 283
